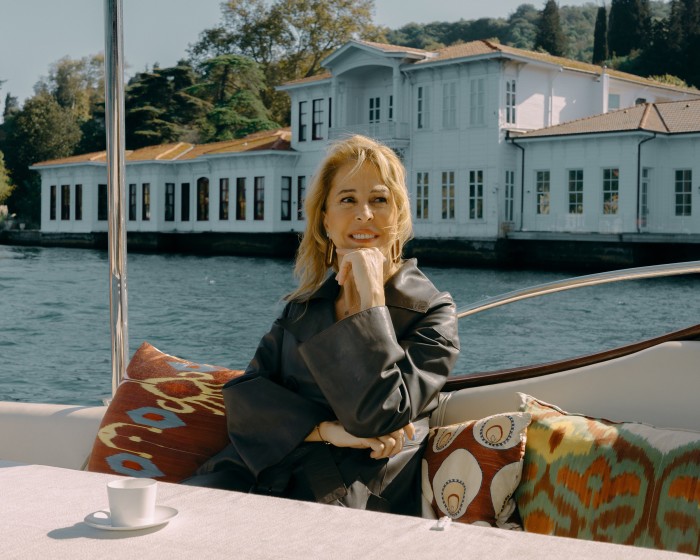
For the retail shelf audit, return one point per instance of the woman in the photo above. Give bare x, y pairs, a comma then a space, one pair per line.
356, 360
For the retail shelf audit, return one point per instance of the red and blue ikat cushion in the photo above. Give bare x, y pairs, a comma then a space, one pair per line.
166, 418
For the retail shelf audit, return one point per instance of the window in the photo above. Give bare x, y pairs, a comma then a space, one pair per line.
202, 199
78, 202
644, 195
65, 202
132, 202
423, 108
448, 195
510, 195
374, 110
317, 123
259, 198
422, 195
301, 196
510, 101
575, 191
52, 203
169, 202
223, 198
684, 179
102, 209
391, 108
240, 198
185, 202
476, 101
613, 101
286, 199
542, 190
476, 194
146, 202
449, 105
302, 121
330, 111
611, 190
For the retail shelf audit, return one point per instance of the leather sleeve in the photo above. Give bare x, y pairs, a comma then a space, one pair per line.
375, 383
282, 418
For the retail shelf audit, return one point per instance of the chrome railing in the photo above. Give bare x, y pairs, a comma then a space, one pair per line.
639, 273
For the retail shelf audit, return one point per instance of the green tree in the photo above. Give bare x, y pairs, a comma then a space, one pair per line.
550, 36
522, 27
684, 39
6, 186
161, 109
287, 38
629, 24
231, 85
40, 131
600, 38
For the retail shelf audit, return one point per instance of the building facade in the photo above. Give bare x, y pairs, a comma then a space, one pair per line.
481, 128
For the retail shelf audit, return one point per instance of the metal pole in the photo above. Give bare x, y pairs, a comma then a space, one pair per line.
114, 124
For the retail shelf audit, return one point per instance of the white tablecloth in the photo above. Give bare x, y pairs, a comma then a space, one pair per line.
42, 511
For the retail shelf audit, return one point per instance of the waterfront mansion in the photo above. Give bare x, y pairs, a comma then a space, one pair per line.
497, 142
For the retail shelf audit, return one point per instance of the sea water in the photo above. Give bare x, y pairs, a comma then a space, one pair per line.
55, 326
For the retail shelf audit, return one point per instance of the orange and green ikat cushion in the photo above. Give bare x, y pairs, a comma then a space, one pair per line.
471, 470
621, 482
166, 418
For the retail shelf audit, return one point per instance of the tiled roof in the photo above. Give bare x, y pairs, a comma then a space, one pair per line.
278, 139
485, 47
316, 78
394, 48
671, 117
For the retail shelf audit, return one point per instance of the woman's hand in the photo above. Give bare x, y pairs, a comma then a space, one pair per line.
361, 273
382, 447
393, 442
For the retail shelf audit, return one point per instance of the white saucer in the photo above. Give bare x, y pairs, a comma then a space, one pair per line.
162, 515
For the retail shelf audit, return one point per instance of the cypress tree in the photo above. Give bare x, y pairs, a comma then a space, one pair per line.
628, 26
685, 29
600, 37
550, 36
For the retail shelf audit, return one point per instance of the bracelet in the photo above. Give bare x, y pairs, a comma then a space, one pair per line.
318, 429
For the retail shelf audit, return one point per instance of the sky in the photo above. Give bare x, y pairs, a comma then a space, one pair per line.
36, 33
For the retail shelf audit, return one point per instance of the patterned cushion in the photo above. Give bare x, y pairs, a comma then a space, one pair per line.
471, 470
166, 418
626, 483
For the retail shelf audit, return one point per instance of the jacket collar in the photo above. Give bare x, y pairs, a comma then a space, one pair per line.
408, 288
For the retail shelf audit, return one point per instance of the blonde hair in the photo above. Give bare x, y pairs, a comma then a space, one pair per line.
311, 265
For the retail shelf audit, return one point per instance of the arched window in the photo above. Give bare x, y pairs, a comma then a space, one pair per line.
202, 199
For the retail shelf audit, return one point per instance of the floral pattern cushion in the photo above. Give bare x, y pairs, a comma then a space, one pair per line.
166, 418
621, 482
470, 470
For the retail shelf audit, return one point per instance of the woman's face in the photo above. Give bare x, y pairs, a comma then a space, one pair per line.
360, 210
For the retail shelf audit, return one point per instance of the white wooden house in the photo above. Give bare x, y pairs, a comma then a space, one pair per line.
475, 124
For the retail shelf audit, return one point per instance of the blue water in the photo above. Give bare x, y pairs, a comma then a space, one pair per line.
54, 315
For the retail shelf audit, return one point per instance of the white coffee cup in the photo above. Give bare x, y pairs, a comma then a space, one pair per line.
132, 501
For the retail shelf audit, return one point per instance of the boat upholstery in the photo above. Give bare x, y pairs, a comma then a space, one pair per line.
48, 434
658, 386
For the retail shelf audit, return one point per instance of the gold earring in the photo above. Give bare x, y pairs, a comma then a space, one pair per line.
329, 252
396, 252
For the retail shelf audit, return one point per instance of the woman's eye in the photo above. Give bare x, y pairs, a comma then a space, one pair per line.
381, 200
347, 200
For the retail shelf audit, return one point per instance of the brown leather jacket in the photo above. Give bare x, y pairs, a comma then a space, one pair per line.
374, 371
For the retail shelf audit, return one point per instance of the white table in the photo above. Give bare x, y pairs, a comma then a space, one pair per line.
42, 511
